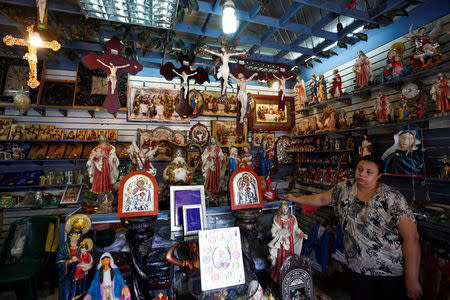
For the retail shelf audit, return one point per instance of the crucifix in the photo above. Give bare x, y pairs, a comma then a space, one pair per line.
282, 76
185, 72
34, 41
41, 14
114, 64
224, 69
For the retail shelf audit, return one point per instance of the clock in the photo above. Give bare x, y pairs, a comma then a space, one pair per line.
16, 77
411, 91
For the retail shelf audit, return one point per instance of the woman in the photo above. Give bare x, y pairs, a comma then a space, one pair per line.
103, 166
380, 234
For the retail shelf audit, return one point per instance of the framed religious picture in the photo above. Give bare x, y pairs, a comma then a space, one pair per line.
193, 219
226, 135
81, 135
121, 149
185, 195
266, 115
17, 132
71, 194
196, 101
91, 87
281, 146
220, 252
70, 134
153, 137
88, 148
138, 195
113, 134
46, 132
199, 134
14, 74
31, 132
92, 135
153, 104
57, 134
54, 92
258, 137
193, 159
56, 151
245, 189
5, 127
37, 151
73, 150
213, 106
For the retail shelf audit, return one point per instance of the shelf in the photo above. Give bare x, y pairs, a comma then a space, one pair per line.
384, 125
55, 141
344, 98
43, 161
319, 163
319, 151
34, 207
37, 187
315, 185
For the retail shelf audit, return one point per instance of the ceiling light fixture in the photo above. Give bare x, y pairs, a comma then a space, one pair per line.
229, 21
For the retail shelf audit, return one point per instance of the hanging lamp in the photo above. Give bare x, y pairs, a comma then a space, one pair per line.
229, 21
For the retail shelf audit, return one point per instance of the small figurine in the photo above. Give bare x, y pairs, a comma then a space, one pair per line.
301, 92
337, 144
350, 144
287, 239
363, 71
67, 258
246, 160
103, 166
233, 160
440, 92
322, 90
213, 166
394, 66
359, 118
242, 94
108, 282
84, 260
161, 297
404, 157
336, 88
425, 53
381, 112
190, 265
403, 112
141, 157
445, 173
420, 110
313, 86
343, 123
366, 148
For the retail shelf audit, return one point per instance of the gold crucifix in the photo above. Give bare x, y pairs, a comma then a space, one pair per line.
34, 41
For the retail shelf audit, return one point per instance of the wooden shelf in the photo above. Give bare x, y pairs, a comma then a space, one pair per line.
319, 151
320, 163
384, 125
37, 187
40, 162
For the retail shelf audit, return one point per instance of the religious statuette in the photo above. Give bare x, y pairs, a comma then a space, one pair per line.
394, 68
440, 92
313, 86
322, 89
336, 85
366, 147
213, 166
287, 239
363, 71
425, 53
301, 92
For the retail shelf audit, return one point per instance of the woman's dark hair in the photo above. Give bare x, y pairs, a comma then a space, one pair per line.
100, 275
376, 160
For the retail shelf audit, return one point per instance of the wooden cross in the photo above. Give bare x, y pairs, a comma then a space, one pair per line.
114, 64
31, 55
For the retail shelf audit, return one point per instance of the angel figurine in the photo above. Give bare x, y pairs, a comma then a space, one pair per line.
440, 92
141, 157
224, 69
363, 71
425, 53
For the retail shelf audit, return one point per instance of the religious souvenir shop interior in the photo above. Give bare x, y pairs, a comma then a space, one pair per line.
224, 149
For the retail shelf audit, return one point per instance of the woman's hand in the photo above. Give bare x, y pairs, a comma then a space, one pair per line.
413, 289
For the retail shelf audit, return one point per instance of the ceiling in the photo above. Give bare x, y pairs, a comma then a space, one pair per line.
273, 31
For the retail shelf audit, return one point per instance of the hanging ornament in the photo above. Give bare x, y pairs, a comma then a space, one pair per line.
22, 101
